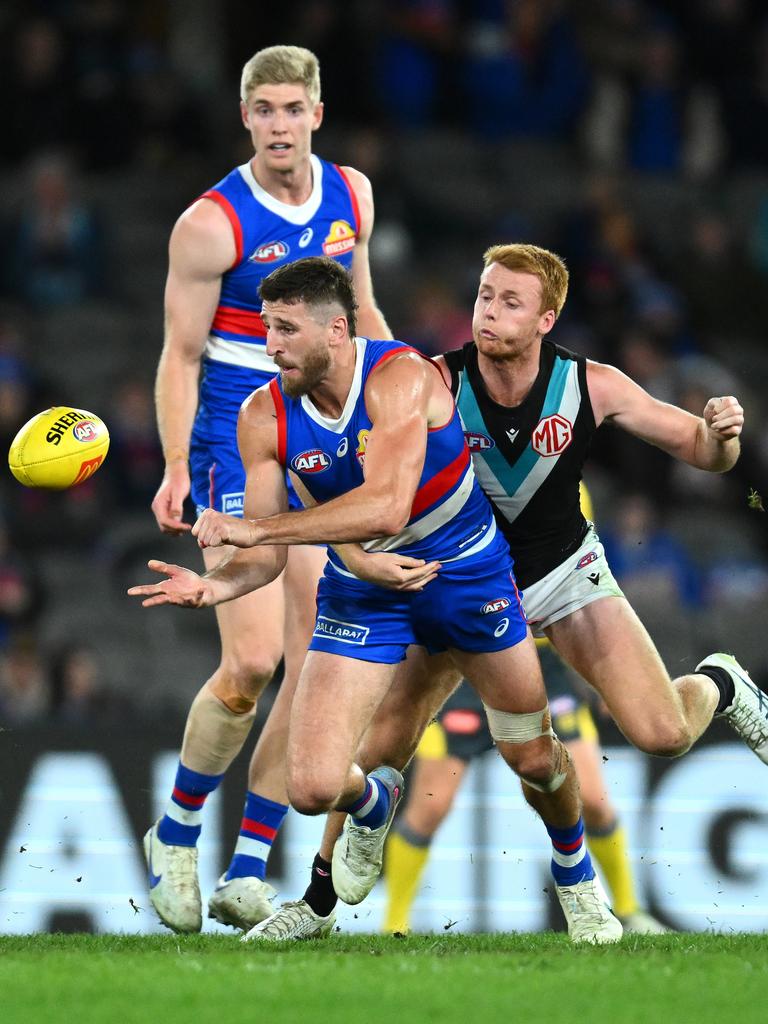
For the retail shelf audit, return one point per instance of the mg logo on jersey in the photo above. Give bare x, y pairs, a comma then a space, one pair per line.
341, 238
84, 431
270, 253
552, 436
478, 442
313, 461
495, 606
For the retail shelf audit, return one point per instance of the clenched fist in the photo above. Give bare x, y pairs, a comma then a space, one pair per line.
724, 417
213, 529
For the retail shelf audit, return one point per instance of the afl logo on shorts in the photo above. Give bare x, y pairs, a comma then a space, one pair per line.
313, 461
270, 253
84, 431
495, 606
478, 442
552, 436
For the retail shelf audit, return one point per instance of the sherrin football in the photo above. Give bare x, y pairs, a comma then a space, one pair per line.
58, 448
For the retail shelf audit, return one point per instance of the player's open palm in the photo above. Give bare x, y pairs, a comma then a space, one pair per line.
724, 417
181, 586
168, 503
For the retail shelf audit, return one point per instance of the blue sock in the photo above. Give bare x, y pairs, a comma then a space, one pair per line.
372, 807
182, 821
570, 859
261, 820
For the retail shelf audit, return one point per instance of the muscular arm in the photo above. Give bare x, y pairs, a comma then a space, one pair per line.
265, 493
403, 397
200, 250
370, 319
709, 442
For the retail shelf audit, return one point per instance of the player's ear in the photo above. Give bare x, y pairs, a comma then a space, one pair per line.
244, 115
547, 321
339, 329
317, 116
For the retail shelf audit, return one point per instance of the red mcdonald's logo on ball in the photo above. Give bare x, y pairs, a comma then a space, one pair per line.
87, 468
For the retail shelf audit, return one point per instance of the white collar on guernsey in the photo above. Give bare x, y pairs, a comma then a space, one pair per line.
339, 425
293, 214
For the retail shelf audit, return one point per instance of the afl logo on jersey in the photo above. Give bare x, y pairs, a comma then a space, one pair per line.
270, 253
552, 436
341, 238
495, 606
478, 442
312, 461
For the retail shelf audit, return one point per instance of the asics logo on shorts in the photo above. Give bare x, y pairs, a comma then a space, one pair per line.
501, 629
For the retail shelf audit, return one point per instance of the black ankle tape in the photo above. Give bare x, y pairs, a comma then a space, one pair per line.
723, 682
320, 894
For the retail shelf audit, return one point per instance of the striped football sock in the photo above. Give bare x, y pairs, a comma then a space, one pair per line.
372, 807
182, 821
570, 860
261, 820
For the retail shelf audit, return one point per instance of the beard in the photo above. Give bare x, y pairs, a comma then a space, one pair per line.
313, 372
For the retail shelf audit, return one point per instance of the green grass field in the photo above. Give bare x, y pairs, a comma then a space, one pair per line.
670, 979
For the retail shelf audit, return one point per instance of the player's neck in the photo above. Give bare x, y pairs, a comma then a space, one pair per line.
509, 380
330, 396
293, 186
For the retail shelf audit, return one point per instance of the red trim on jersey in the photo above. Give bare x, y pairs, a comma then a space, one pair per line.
239, 321
442, 482
211, 489
233, 219
282, 424
352, 197
249, 825
187, 798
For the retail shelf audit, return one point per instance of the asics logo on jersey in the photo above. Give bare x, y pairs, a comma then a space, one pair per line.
495, 606
341, 238
313, 461
343, 448
591, 556
306, 237
270, 253
552, 436
478, 442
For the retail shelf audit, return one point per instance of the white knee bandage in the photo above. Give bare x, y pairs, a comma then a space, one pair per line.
508, 728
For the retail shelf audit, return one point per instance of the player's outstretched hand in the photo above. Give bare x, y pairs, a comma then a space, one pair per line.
168, 503
724, 417
182, 586
395, 572
213, 529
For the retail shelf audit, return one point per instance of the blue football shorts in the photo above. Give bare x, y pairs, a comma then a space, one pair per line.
471, 606
216, 471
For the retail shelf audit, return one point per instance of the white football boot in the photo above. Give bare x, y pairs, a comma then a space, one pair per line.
643, 923
294, 920
174, 890
587, 913
241, 902
747, 714
359, 850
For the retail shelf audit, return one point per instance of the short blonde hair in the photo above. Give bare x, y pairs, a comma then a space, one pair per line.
282, 65
531, 259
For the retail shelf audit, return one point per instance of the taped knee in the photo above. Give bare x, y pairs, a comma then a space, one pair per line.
506, 727
561, 765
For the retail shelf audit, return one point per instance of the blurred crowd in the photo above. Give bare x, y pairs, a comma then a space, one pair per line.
631, 136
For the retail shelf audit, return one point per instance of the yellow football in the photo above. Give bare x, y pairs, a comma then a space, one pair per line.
58, 448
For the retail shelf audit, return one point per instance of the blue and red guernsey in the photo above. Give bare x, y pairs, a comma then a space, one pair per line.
450, 517
267, 235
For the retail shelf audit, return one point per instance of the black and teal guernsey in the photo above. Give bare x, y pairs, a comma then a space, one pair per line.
528, 459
